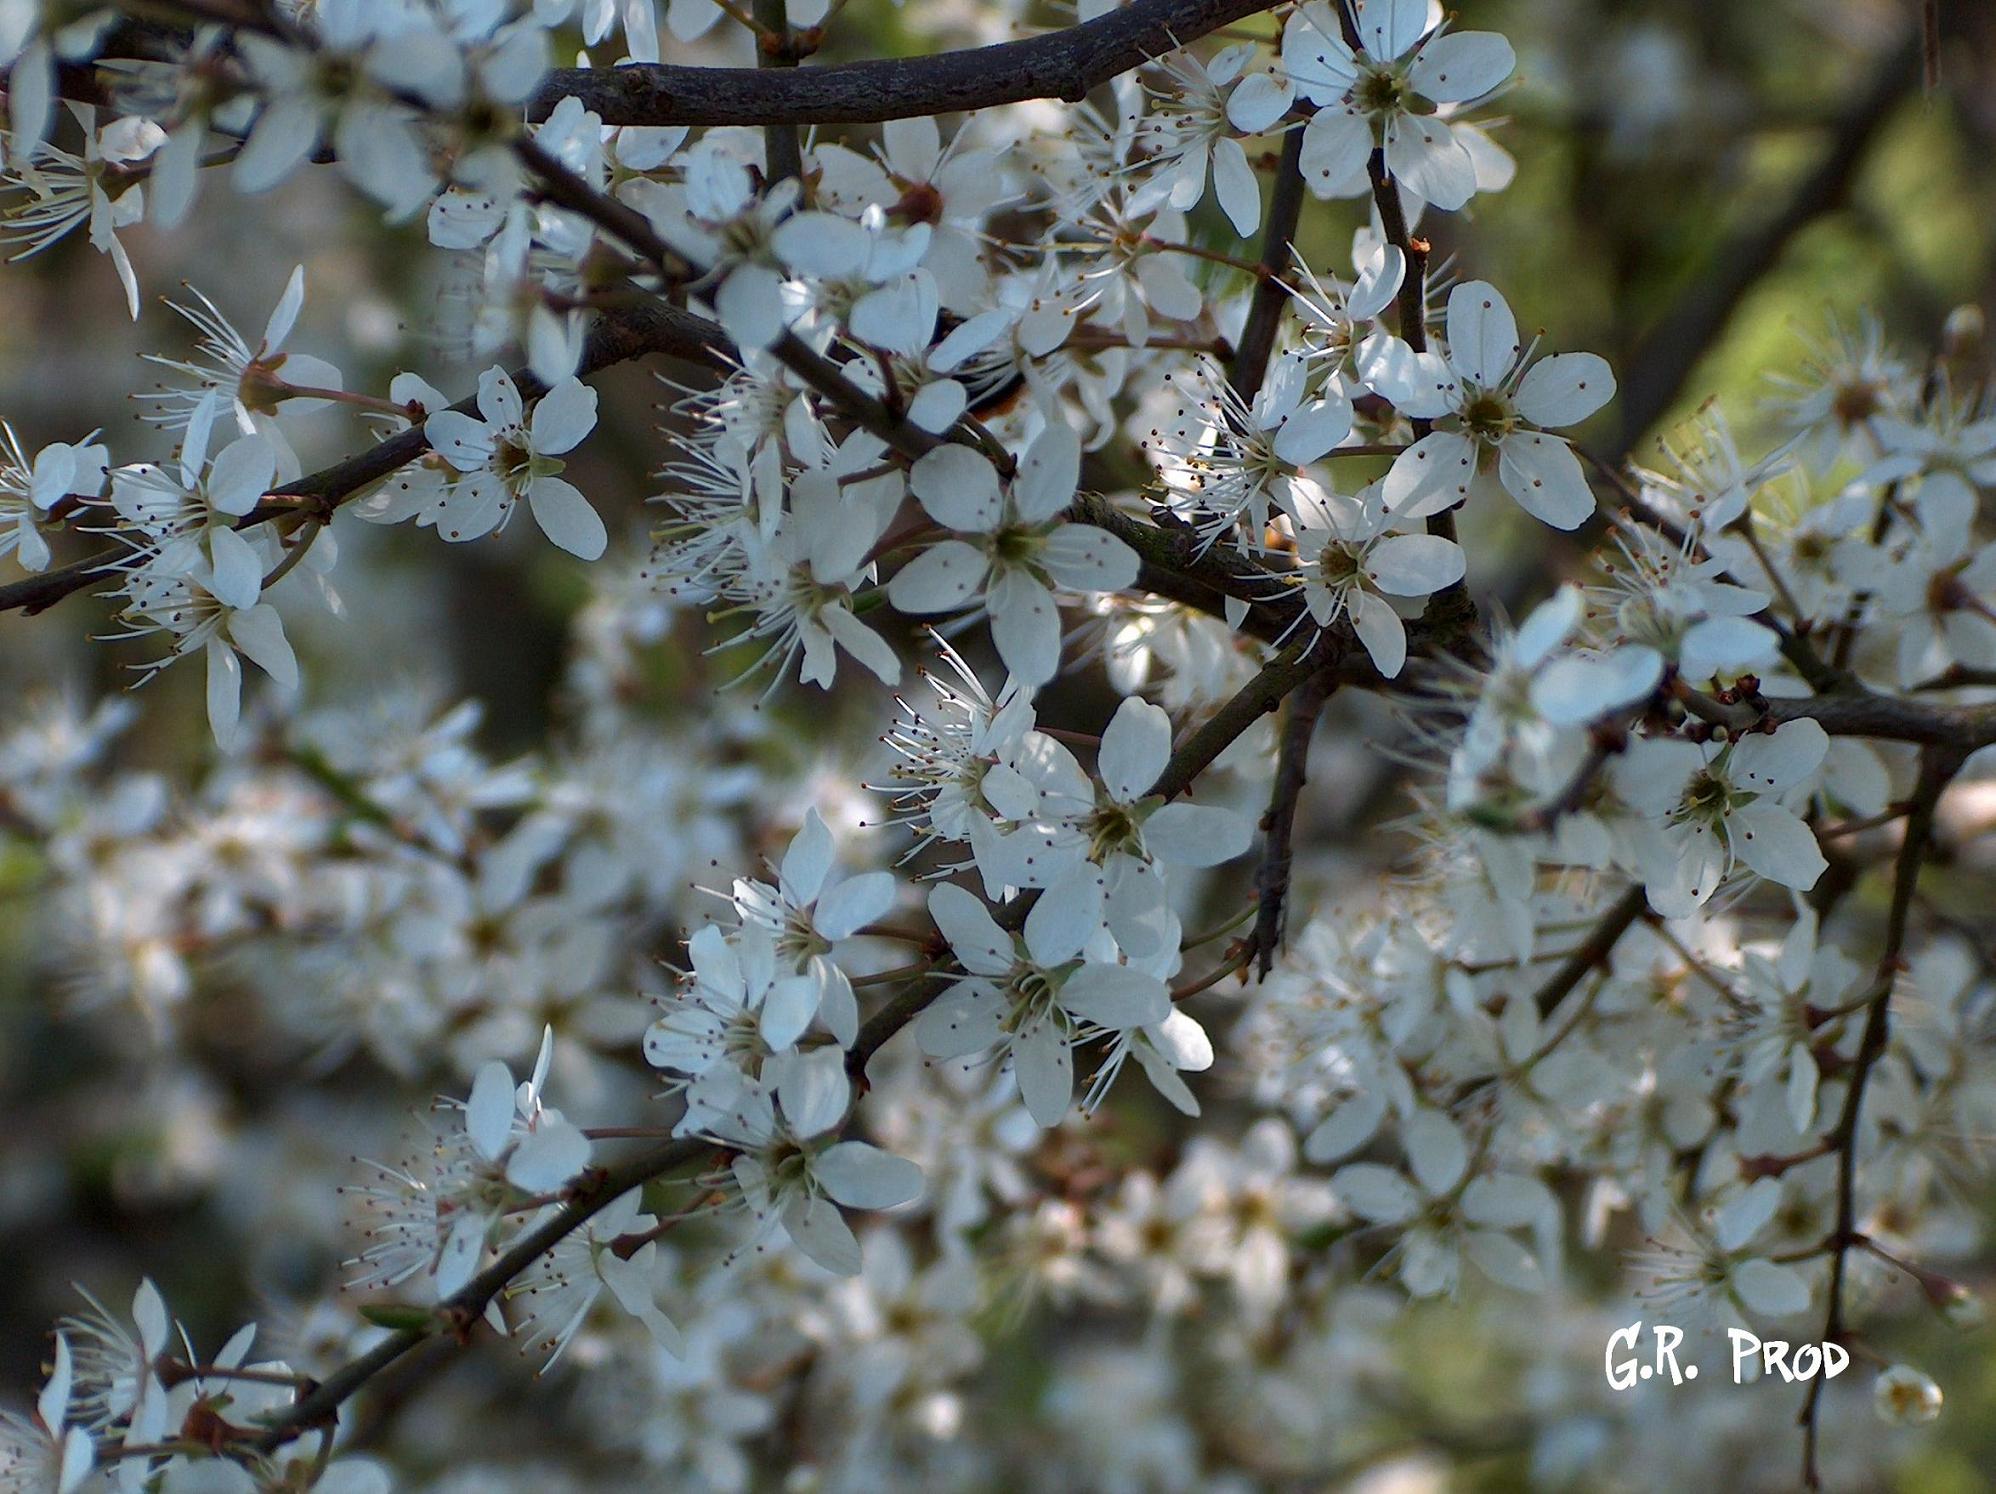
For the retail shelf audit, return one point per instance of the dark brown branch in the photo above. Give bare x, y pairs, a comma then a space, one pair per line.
1893, 719
1063, 64
1250, 703
773, 50
1594, 951
891, 1018
1854, 712
1271, 294
1292, 763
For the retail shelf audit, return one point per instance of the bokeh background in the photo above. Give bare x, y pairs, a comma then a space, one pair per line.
1701, 189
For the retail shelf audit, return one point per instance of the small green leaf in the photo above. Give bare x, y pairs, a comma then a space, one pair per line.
400, 1316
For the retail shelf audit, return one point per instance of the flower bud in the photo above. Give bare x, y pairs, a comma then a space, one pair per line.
1964, 1309
1905, 1396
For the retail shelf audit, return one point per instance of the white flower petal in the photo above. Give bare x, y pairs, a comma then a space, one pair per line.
488, 1113
1575, 689
1082, 557
937, 406
1425, 155
968, 1018
812, 1088
259, 633
750, 305
914, 146
1508, 1201
464, 442
855, 902
1382, 632
1725, 645
961, 917
1025, 625
824, 245
1774, 762
565, 414
1482, 333
1181, 1039
241, 475
1414, 565
1376, 1194
864, 1177
865, 645
1347, 1128
1503, 1260
1058, 926
1044, 1069
499, 399
235, 577
1257, 102
567, 518
463, 1248
1167, 288
1135, 748
1544, 475
958, 488
1565, 389
1461, 65
1389, 27
940, 579
548, 1156
279, 143
1436, 1151
1774, 842
1771, 1290
225, 692
1237, 187
1196, 834
787, 1009
1314, 429
1336, 142
1430, 476
817, 1228
1115, 996
1048, 475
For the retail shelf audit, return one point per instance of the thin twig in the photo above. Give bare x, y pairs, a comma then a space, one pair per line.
1271, 880
1938, 765
616, 338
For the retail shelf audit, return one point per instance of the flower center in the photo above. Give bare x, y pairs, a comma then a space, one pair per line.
1707, 797
921, 203
1488, 416
1113, 827
1382, 89
1855, 402
1337, 565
